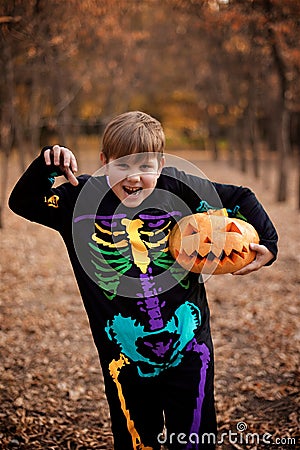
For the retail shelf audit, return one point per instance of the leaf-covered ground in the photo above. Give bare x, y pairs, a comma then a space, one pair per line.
52, 395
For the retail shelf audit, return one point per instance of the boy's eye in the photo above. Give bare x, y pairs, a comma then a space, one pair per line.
147, 167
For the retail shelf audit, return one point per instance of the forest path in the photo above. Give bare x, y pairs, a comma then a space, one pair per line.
52, 391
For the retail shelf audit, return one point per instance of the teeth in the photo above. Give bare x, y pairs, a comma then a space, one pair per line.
131, 190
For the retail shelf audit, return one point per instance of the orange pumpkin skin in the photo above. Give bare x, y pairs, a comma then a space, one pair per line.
212, 243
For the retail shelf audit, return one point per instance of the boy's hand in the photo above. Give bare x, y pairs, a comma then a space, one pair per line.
65, 160
263, 256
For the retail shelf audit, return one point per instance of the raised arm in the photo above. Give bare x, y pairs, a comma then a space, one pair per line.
33, 196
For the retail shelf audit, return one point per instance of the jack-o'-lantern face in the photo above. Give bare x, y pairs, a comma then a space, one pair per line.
212, 243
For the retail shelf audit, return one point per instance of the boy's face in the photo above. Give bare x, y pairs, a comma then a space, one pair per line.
133, 177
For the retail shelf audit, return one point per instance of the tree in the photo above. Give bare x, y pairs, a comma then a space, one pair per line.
217, 70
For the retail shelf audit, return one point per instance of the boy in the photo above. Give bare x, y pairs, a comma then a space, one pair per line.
149, 317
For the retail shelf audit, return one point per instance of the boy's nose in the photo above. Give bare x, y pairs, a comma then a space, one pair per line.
133, 177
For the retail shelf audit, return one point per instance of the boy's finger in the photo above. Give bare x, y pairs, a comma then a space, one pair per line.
47, 157
70, 176
69, 160
257, 248
65, 159
252, 267
73, 163
56, 155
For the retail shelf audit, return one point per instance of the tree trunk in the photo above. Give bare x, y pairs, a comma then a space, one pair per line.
214, 149
298, 176
254, 144
284, 151
231, 149
241, 150
242, 155
20, 143
212, 137
6, 125
35, 112
4, 179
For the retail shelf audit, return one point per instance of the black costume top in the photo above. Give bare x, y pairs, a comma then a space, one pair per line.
140, 303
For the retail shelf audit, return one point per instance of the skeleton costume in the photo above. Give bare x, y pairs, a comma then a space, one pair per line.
149, 317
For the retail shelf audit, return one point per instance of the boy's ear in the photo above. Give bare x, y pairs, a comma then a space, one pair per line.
103, 158
161, 164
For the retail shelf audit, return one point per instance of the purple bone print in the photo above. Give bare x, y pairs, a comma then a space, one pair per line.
151, 303
203, 351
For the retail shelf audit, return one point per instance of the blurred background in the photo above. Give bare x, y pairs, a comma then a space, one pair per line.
222, 75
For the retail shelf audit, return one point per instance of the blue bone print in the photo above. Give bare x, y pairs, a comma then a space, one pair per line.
135, 342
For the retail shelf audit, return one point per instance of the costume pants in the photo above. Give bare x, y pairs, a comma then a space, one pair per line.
140, 407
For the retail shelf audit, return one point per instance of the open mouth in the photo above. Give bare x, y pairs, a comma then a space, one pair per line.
132, 190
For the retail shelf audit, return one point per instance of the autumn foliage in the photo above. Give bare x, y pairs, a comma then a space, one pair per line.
220, 74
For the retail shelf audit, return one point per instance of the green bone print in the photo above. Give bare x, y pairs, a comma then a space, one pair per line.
110, 270
107, 275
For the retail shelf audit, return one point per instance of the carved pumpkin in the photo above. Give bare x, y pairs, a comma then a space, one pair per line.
212, 243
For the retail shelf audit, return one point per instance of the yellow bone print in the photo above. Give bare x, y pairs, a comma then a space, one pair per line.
114, 369
122, 243
161, 241
138, 248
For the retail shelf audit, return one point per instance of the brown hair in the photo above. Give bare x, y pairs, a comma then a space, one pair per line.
133, 132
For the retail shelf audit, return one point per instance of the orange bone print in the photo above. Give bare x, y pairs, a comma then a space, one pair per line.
114, 368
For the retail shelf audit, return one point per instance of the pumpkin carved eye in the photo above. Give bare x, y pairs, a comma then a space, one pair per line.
211, 243
232, 228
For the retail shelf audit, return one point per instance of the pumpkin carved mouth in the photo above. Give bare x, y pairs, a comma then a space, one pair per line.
222, 258
211, 243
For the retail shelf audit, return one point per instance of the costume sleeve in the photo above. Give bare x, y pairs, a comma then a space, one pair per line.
232, 196
194, 189
34, 198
